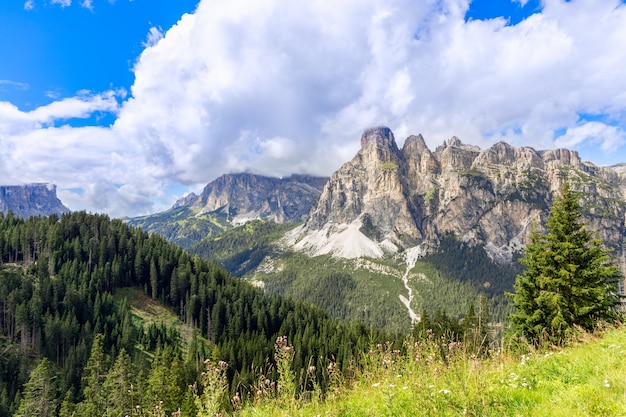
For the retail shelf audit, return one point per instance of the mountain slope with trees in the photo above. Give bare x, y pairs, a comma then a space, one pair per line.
59, 276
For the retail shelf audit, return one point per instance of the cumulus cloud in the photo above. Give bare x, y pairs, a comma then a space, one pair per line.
610, 138
277, 87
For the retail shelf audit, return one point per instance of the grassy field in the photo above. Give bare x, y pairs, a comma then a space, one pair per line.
428, 379
146, 311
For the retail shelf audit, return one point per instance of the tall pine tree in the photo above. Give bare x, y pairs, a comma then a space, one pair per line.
570, 280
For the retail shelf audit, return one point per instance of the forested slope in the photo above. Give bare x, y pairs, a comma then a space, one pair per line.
58, 277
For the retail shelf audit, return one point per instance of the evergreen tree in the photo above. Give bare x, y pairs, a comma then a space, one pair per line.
67, 406
570, 280
165, 382
118, 386
40, 393
93, 379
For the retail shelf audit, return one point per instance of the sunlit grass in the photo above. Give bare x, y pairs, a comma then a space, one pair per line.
428, 379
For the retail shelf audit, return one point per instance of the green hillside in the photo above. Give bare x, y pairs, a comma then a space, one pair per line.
241, 249
182, 226
449, 280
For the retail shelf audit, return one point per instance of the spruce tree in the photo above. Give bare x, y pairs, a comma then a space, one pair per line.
40, 393
94, 402
118, 385
570, 280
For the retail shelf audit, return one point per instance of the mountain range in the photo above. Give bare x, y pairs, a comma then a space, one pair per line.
388, 199
396, 233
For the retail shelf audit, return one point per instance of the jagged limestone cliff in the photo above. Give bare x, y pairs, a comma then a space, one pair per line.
387, 199
38, 199
243, 197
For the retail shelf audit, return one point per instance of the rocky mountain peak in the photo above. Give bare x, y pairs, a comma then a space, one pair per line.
562, 156
419, 159
454, 141
39, 199
381, 136
415, 143
245, 196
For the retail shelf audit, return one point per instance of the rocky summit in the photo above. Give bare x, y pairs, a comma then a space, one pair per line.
387, 199
242, 197
31, 200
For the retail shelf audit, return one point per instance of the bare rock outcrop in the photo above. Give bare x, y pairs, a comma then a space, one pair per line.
493, 197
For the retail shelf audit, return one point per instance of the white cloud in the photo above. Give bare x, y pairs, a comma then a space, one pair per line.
277, 87
29, 5
87, 4
62, 3
609, 137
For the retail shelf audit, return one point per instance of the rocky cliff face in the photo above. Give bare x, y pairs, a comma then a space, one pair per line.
31, 200
387, 198
243, 197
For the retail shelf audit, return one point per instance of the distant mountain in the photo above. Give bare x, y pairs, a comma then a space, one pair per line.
243, 197
234, 199
38, 199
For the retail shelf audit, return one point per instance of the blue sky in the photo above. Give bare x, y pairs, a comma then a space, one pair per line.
52, 51
127, 105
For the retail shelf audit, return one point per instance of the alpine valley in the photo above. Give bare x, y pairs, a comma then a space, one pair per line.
395, 233
404, 250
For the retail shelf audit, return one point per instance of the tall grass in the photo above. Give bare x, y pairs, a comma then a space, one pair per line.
440, 378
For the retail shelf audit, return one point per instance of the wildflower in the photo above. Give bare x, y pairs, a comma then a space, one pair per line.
376, 384
606, 383
331, 367
444, 391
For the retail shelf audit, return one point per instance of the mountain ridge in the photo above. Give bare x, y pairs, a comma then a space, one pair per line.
387, 199
231, 200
